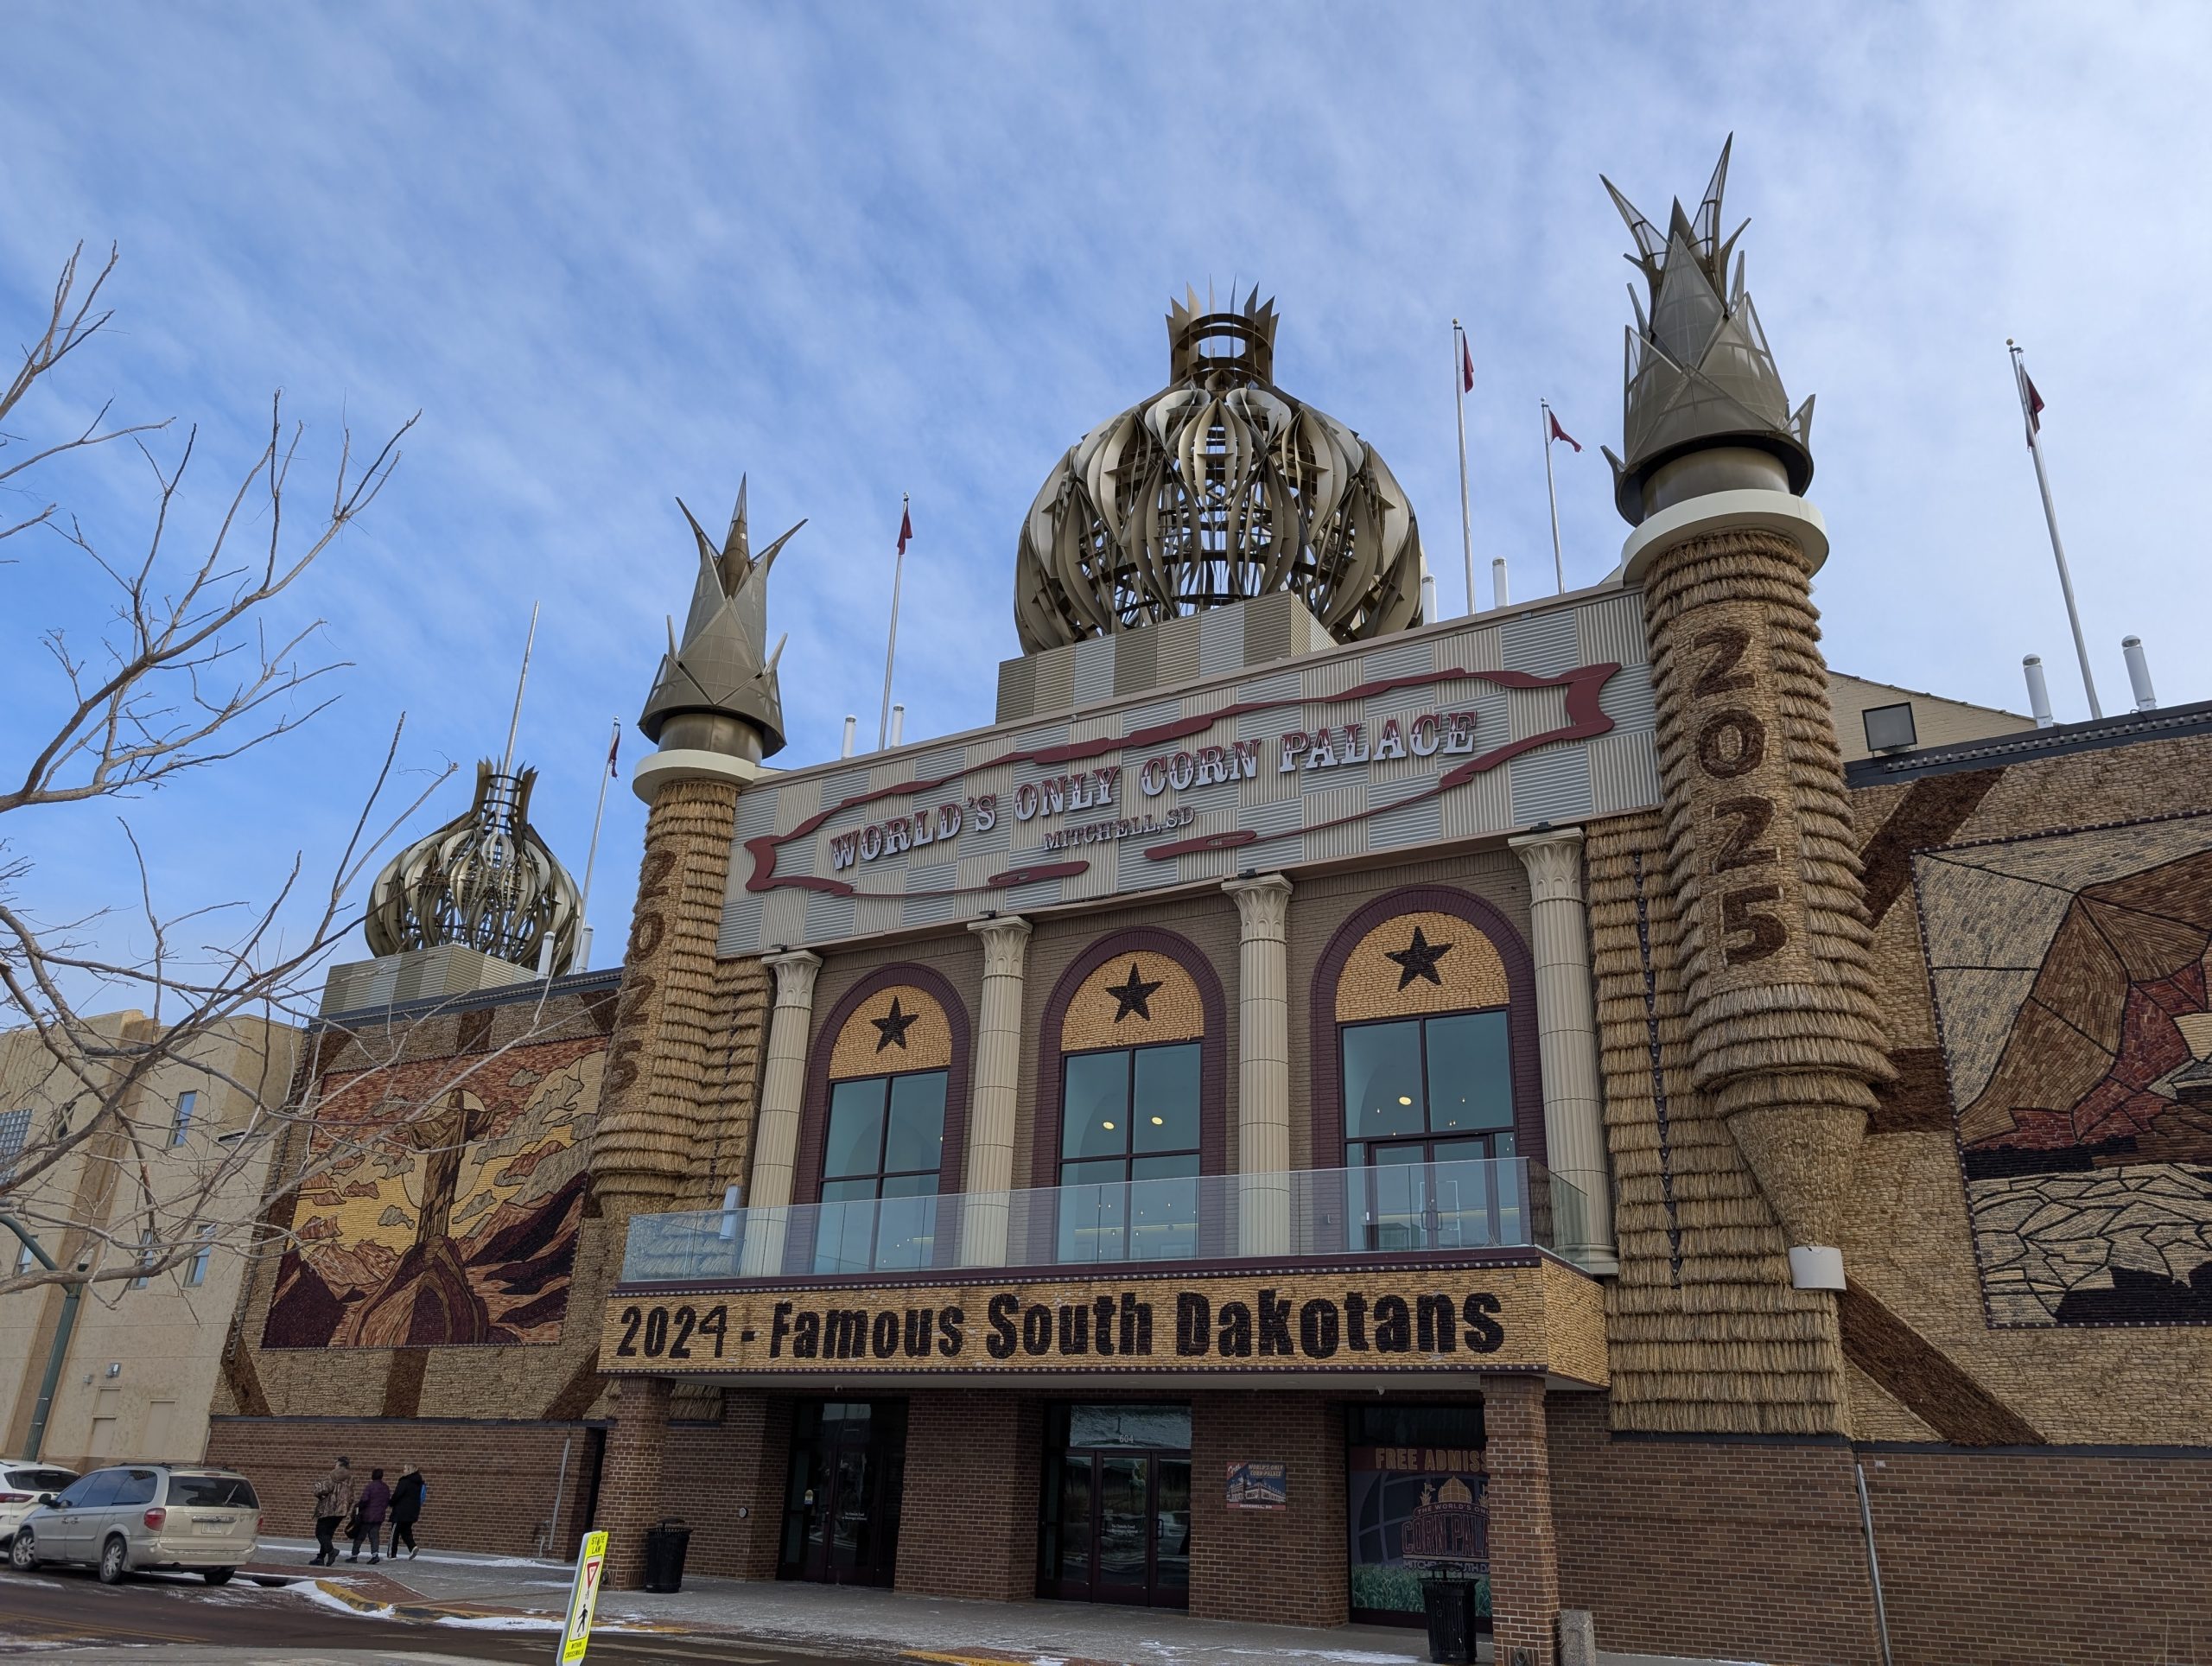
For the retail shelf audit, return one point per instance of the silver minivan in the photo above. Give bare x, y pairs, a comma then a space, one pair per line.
139, 1515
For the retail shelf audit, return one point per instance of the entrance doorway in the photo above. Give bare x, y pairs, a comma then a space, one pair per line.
1116, 1522
841, 1501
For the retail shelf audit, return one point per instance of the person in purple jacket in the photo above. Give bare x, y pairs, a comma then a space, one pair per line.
368, 1516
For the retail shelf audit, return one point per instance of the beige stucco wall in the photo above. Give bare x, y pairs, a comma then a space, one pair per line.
1937, 721
143, 1364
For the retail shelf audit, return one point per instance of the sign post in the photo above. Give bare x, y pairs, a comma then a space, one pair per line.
584, 1600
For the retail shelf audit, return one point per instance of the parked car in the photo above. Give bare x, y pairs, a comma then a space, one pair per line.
22, 1482
137, 1516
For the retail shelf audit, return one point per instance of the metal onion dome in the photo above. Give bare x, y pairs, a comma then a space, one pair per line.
484, 880
1218, 488
1700, 377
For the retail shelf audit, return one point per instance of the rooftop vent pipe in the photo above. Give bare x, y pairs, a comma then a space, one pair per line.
898, 724
2038, 690
2138, 673
852, 723
1497, 582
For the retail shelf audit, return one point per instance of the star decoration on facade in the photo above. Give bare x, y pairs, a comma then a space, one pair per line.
1133, 996
1418, 959
893, 1026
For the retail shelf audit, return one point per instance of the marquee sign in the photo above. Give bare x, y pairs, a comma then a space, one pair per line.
1355, 748
1479, 1317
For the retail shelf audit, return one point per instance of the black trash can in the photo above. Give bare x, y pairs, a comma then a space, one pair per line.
1449, 1606
665, 1546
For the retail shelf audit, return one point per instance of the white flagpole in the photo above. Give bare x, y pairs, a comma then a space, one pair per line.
2051, 519
1459, 360
1558, 566
514, 723
591, 855
891, 652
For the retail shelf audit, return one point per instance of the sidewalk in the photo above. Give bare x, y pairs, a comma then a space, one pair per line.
943, 1629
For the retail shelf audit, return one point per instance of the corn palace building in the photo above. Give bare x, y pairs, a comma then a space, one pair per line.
1315, 1097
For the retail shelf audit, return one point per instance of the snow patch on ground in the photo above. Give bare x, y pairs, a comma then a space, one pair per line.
506, 1623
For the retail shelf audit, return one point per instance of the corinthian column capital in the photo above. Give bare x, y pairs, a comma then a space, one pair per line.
1005, 941
1262, 904
1553, 859
795, 970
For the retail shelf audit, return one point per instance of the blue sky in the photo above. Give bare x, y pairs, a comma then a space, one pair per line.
617, 255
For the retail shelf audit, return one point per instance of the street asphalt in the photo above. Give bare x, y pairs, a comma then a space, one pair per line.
68, 1614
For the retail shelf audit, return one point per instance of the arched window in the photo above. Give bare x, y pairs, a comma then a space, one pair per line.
1425, 1072
1129, 1112
884, 1121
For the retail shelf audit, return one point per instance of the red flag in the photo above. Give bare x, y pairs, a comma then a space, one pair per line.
1559, 433
906, 527
1466, 366
613, 747
2035, 409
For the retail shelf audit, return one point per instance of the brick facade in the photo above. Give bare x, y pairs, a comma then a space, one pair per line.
1523, 1550
714, 1470
631, 1496
968, 1518
1276, 1567
492, 1484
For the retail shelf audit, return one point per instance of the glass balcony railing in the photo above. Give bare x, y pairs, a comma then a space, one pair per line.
1492, 1204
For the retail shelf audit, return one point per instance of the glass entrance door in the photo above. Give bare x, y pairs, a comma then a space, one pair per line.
841, 1501
1116, 1517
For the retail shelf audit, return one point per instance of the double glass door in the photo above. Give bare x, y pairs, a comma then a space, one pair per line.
841, 1501
1117, 1506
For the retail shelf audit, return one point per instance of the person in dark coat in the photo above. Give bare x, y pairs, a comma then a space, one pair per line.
407, 1508
368, 1516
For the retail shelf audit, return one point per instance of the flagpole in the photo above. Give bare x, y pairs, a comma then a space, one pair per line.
891, 652
1558, 566
514, 723
591, 855
2051, 519
1461, 360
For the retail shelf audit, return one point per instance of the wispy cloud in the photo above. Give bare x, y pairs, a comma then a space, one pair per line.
616, 256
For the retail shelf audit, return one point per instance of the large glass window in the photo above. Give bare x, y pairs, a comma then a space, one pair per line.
1130, 1154
880, 1161
1428, 1104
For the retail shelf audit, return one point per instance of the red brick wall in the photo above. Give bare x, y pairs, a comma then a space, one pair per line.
1288, 1567
1524, 1554
630, 1500
1750, 1550
1754, 1550
491, 1483
968, 1518
713, 1471
2064, 1558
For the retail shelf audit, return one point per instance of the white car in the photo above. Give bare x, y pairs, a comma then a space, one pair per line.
139, 1515
22, 1481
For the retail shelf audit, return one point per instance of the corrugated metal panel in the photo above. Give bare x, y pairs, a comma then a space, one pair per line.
828, 918
1613, 630
1093, 676
1544, 644
1408, 824
756, 813
1551, 786
1624, 773
1221, 642
1149, 716
741, 932
1533, 711
929, 911
1627, 698
1045, 894
1402, 660
1132, 872
1326, 806
1482, 806
1178, 651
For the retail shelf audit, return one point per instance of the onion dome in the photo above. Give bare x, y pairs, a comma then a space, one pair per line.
1217, 489
1699, 378
484, 880
717, 690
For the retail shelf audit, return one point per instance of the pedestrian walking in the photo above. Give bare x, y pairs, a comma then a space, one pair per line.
407, 1497
334, 1501
368, 1516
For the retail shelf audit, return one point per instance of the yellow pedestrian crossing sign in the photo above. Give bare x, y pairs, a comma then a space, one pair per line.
583, 1599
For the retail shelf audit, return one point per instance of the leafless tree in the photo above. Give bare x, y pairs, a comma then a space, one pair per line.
186, 674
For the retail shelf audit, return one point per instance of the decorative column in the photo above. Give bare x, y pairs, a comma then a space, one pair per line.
1262, 1065
630, 1484
1567, 1032
989, 1176
783, 1090
1523, 1544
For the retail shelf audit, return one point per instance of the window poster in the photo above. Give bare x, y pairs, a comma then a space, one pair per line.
1415, 1507
1256, 1485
